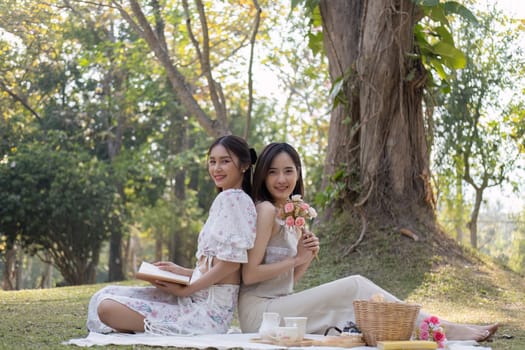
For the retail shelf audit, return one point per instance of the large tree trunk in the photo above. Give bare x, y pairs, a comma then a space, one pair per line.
377, 138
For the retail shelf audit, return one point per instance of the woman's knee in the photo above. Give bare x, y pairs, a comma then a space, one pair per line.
105, 309
357, 280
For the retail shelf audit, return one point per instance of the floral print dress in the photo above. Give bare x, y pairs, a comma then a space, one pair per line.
227, 235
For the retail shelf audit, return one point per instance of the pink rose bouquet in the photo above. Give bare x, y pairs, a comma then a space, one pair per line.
295, 212
431, 329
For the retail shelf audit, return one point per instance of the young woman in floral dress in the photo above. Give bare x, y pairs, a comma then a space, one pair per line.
208, 303
282, 254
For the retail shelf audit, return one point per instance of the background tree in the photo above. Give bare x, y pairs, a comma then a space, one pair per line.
99, 79
474, 146
150, 23
57, 201
377, 139
89, 94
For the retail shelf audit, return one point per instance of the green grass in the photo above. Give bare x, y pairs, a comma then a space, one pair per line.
447, 281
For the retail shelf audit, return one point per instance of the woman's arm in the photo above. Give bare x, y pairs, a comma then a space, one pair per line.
255, 270
308, 242
172, 267
235, 215
220, 270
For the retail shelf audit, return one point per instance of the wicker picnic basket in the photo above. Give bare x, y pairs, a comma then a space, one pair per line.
379, 321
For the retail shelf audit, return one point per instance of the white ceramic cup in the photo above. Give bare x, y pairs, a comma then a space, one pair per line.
299, 322
286, 334
269, 323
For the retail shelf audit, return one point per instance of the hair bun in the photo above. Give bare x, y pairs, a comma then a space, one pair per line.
253, 155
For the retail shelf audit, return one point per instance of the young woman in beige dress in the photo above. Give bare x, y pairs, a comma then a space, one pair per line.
281, 256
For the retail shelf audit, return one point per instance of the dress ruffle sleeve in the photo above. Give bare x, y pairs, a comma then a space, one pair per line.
230, 229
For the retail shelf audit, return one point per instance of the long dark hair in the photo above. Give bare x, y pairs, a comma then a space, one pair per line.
247, 156
260, 191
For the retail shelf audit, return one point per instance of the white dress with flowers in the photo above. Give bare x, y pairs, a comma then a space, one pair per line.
327, 305
227, 235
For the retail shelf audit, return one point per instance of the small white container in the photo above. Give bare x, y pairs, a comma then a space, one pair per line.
286, 334
299, 322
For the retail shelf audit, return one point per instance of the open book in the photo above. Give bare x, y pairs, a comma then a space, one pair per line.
149, 272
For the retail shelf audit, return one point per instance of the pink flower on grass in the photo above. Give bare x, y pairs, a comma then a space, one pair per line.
430, 329
439, 336
424, 335
433, 320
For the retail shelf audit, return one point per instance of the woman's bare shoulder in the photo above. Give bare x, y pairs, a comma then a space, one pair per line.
265, 206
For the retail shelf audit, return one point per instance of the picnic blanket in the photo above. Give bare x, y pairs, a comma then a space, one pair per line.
222, 342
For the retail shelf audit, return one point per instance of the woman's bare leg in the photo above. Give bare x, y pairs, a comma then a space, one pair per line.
120, 317
462, 331
458, 331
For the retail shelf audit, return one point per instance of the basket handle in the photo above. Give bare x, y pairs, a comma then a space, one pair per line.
350, 327
330, 328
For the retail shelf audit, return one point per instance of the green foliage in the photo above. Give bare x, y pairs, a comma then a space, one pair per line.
340, 185
174, 222
434, 39
300, 115
473, 145
517, 251
59, 201
314, 34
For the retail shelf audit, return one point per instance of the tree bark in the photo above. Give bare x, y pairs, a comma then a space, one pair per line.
377, 138
47, 276
473, 223
8, 280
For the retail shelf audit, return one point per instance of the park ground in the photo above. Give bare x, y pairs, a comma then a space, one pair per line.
454, 283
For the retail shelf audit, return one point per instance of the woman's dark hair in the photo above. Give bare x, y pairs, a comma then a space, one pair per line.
247, 156
260, 191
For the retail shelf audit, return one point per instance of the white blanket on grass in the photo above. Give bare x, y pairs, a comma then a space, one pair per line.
221, 342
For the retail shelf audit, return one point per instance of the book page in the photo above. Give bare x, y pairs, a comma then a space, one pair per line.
150, 272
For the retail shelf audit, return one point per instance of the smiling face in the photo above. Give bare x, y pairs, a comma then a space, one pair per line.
224, 168
281, 178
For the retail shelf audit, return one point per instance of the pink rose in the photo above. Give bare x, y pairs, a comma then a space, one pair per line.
289, 221
424, 326
288, 207
439, 336
304, 206
300, 221
423, 335
433, 320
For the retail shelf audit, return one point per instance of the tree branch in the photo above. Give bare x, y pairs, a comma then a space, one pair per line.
256, 23
22, 100
364, 226
204, 59
177, 79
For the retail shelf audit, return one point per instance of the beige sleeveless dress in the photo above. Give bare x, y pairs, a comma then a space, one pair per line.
329, 304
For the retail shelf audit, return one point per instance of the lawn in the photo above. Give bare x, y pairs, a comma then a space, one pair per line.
455, 284
43, 319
